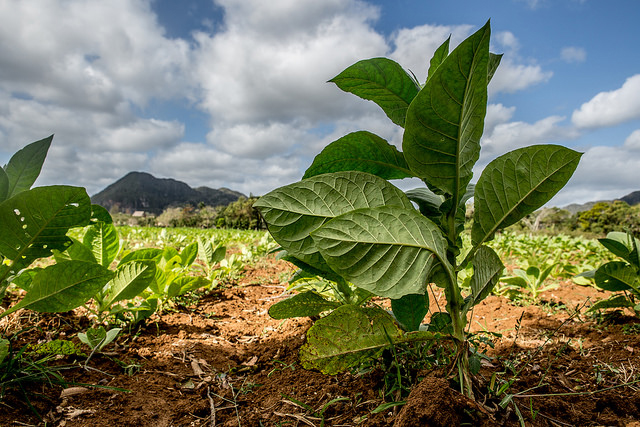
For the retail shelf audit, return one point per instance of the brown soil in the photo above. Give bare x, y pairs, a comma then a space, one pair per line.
222, 361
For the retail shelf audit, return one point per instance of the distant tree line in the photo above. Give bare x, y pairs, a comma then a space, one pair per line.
602, 218
239, 214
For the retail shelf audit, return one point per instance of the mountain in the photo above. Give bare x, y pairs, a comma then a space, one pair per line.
631, 199
140, 191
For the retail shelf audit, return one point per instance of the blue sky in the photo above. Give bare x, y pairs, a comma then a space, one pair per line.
233, 93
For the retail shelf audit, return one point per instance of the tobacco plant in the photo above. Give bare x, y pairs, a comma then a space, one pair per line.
346, 219
621, 277
33, 223
101, 245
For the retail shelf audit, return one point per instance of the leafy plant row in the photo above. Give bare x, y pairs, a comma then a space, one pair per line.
60, 221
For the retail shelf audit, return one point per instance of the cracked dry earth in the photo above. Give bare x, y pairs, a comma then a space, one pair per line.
222, 361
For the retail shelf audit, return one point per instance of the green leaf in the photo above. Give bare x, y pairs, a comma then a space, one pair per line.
387, 250
183, 284
63, 287
301, 305
129, 281
618, 301
441, 322
295, 210
209, 253
622, 245
77, 251
382, 81
516, 184
360, 151
34, 222
189, 254
25, 166
103, 240
617, 276
147, 254
428, 202
487, 269
98, 338
4, 349
494, 61
410, 310
4, 185
25, 278
439, 56
98, 213
445, 121
346, 337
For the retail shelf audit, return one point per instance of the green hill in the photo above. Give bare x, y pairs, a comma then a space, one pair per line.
140, 191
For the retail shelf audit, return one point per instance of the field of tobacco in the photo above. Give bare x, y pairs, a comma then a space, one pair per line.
214, 356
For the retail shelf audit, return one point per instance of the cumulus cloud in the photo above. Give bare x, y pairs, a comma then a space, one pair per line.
198, 164
572, 54
272, 60
511, 135
413, 47
610, 108
89, 72
604, 173
632, 143
88, 54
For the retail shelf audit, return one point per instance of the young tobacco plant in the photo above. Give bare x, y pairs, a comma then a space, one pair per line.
101, 245
622, 277
344, 218
33, 223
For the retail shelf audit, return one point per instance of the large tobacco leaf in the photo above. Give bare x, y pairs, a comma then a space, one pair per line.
347, 337
34, 222
301, 305
445, 121
25, 166
617, 276
63, 287
386, 250
361, 151
292, 212
516, 184
382, 81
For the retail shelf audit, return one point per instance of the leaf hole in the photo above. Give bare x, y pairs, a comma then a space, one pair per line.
44, 246
75, 205
16, 211
24, 226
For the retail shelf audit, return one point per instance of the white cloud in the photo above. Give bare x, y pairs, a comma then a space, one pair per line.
86, 54
273, 59
610, 108
511, 135
260, 140
496, 114
415, 46
632, 143
604, 173
572, 54
198, 165
511, 77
